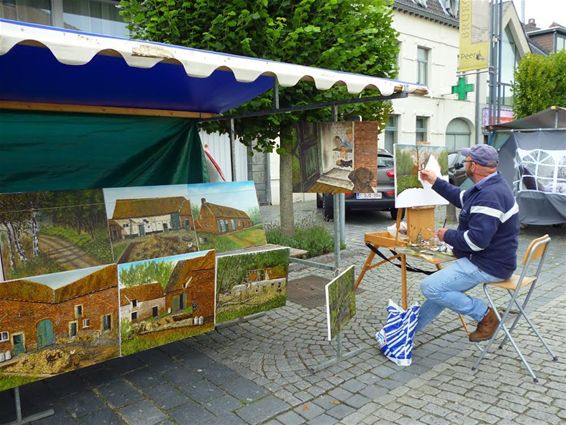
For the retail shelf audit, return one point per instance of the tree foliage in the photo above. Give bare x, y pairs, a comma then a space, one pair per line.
334, 34
540, 82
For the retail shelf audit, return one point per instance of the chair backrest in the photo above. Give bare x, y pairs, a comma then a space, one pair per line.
536, 251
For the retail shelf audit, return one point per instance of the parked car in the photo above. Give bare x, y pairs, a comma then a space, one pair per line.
382, 200
456, 170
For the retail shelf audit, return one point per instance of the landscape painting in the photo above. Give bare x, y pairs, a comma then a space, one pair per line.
57, 323
49, 232
410, 190
340, 302
149, 222
226, 215
166, 299
250, 283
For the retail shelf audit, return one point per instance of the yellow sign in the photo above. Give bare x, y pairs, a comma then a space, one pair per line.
474, 35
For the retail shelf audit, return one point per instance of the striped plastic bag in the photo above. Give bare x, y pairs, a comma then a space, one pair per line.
396, 338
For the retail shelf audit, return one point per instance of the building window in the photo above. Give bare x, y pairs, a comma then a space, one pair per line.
35, 11
134, 303
107, 322
422, 65
560, 43
4, 336
73, 328
421, 129
390, 134
457, 135
134, 315
97, 16
78, 311
86, 323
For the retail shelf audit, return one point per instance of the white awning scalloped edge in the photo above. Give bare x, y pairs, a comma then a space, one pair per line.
73, 48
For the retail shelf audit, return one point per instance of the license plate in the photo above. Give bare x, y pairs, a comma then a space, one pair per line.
377, 195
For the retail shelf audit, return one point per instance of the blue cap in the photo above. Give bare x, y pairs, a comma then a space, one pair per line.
484, 155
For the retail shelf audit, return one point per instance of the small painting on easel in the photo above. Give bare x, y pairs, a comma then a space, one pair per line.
410, 190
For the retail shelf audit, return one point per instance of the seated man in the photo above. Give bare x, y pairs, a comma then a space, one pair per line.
485, 242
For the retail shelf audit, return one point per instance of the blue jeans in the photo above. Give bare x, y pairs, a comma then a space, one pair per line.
445, 289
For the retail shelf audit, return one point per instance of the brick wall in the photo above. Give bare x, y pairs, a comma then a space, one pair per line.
365, 146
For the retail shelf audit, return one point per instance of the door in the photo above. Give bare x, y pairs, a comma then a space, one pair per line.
44, 333
175, 221
179, 302
18, 341
155, 311
73, 329
141, 229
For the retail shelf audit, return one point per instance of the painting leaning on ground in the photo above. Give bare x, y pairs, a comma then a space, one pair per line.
166, 299
251, 283
56, 323
49, 232
340, 302
227, 215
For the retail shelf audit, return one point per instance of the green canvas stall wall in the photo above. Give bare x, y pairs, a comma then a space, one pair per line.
48, 151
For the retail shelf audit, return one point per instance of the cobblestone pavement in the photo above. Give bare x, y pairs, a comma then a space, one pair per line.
258, 371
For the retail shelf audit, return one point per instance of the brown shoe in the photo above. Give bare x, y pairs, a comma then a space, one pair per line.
486, 327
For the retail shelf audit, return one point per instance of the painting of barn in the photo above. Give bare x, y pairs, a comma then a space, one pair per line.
340, 302
49, 232
250, 283
149, 222
227, 215
166, 299
57, 323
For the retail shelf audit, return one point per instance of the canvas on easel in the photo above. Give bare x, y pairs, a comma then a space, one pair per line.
340, 302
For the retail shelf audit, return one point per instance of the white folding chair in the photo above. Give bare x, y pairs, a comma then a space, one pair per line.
533, 259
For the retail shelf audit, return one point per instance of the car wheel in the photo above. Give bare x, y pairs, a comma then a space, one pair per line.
319, 200
328, 206
394, 212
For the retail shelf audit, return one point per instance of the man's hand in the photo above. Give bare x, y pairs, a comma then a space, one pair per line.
441, 232
428, 176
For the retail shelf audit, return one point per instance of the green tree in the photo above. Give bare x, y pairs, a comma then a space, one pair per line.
335, 34
540, 82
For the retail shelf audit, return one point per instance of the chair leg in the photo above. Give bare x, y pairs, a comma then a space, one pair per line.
464, 325
534, 329
507, 334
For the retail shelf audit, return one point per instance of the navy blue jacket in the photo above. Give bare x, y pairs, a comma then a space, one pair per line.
488, 232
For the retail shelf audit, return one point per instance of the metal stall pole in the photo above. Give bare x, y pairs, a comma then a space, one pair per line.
232, 148
35, 417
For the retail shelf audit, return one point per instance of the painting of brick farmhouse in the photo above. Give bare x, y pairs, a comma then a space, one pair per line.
149, 222
250, 283
57, 323
340, 302
49, 232
410, 190
166, 299
227, 215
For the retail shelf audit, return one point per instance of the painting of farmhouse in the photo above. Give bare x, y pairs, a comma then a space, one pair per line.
57, 323
149, 222
166, 299
48, 232
340, 302
410, 190
227, 215
305, 156
250, 283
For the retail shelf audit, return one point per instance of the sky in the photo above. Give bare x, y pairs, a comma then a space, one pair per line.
543, 11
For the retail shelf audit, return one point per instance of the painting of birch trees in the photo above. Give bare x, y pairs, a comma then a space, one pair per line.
48, 232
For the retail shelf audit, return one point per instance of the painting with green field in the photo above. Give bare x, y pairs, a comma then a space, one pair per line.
410, 190
227, 215
250, 283
340, 302
49, 232
165, 299
150, 222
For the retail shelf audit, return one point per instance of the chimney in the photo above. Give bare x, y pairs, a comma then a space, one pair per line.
531, 25
203, 201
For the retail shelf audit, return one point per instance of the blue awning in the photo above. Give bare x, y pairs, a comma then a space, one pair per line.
41, 64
